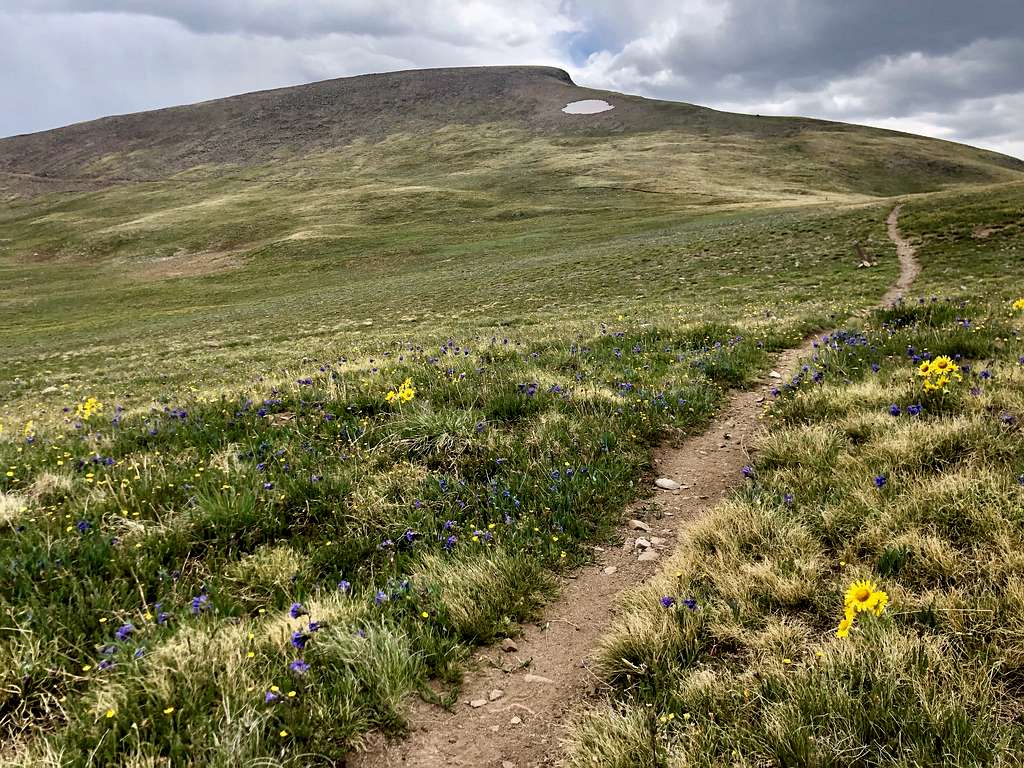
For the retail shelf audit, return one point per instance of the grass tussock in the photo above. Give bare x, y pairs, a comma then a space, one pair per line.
731, 655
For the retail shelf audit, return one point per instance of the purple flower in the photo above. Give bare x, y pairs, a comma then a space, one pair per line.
667, 601
880, 481
748, 472
299, 639
875, 367
299, 666
788, 499
914, 410
344, 586
690, 603
83, 526
297, 610
139, 652
380, 597
894, 410
268, 486
270, 697
123, 632
105, 664
315, 626
449, 543
199, 603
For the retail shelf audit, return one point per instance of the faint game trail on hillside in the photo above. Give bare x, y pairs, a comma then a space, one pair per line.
548, 675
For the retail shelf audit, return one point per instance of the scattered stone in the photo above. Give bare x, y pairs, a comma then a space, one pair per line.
667, 484
496, 694
508, 645
642, 543
531, 678
774, 375
657, 541
477, 703
647, 555
516, 720
639, 525
609, 570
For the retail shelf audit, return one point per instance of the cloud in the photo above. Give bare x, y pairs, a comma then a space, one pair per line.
942, 67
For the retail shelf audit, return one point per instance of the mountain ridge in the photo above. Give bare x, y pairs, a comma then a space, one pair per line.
262, 126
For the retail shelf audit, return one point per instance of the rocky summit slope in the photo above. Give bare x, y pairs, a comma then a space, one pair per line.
260, 127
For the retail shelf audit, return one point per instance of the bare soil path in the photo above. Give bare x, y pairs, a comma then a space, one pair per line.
516, 703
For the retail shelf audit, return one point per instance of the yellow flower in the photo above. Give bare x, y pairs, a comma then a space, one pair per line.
844, 626
861, 596
283, 734
169, 711
110, 713
1018, 305
881, 600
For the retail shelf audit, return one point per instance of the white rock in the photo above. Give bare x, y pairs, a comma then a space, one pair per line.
496, 694
667, 484
477, 703
508, 645
609, 570
647, 555
639, 525
531, 678
642, 543
774, 375
516, 720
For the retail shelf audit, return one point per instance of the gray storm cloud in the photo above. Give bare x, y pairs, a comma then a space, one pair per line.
939, 67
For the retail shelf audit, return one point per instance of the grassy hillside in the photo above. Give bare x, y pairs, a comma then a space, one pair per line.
735, 654
206, 317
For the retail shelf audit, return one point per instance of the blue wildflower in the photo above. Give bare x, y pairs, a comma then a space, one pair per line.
299, 666
667, 601
880, 481
297, 610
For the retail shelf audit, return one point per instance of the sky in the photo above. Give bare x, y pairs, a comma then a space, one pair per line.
953, 69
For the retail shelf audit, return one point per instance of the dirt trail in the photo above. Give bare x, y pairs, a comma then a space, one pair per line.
548, 676
909, 268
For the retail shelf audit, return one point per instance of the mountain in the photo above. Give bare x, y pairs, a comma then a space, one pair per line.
265, 127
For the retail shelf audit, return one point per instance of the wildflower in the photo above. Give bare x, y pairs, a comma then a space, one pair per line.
315, 626
110, 713
199, 603
667, 601
83, 526
690, 603
299, 639
270, 697
880, 481
123, 632
748, 472
405, 392
299, 666
1018, 305
297, 610
380, 598
169, 711
864, 596
894, 410
845, 625
914, 410
344, 586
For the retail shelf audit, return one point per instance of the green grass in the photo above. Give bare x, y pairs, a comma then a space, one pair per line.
242, 332
753, 673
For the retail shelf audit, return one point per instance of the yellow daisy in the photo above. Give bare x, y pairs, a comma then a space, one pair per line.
861, 596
